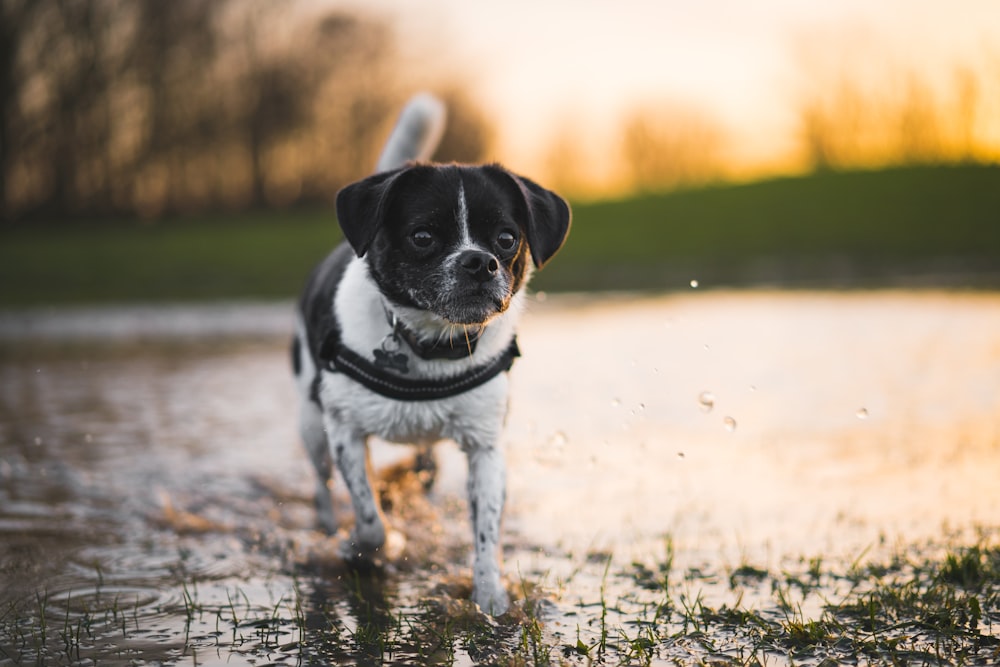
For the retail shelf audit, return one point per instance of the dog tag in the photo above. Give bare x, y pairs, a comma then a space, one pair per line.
389, 356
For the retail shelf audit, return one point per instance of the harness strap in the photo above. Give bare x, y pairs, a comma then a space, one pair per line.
339, 359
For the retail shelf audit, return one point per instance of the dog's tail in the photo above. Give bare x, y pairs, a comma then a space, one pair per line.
416, 134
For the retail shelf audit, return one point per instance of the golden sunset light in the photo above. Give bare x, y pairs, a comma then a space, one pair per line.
189, 106
765, 86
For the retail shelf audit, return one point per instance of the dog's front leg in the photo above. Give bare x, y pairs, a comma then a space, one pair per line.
349, 450
487, 479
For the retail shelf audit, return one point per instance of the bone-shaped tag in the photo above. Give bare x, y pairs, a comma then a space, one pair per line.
387, 355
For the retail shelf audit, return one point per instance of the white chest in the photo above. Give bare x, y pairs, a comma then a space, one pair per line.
475, 417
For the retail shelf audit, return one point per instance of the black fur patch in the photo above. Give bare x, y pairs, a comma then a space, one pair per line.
296, 356
316, 308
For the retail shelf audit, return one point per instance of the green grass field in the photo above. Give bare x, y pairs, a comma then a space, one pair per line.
835, 229
917, 225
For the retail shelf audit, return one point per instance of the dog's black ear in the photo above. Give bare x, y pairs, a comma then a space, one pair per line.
362, 206
548, 216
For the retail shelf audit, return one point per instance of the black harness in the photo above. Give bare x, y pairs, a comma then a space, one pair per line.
374, 375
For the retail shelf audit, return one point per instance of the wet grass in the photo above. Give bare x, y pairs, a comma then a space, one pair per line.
922, 605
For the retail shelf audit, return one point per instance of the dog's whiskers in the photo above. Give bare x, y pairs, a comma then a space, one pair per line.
468, 343
450, 333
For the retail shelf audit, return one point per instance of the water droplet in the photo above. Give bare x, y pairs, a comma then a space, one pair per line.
694, 284
642, 406
558, 439
707, 401
753, 387
729, 423
680, 455
862, 413
615, 402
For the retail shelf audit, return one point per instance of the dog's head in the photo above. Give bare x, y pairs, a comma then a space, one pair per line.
453, 240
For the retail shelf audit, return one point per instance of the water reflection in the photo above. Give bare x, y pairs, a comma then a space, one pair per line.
161, 480
776, 459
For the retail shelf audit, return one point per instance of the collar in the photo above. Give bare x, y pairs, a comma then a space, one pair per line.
337, 358
451, 347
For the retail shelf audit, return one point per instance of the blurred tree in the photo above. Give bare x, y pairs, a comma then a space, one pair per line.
666, 146
357, 103
834, 126
857, 115
565, 161
103, 89
171, 101
124, 107
14, 14
468, 136
340, 59
918, 125
64, 70
275, 88
967, 100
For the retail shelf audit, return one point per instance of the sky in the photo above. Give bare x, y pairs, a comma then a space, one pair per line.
540, 67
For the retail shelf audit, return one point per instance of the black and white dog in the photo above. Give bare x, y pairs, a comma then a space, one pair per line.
405, 331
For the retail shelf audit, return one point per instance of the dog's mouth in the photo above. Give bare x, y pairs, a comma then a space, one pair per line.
472, 310
459, 303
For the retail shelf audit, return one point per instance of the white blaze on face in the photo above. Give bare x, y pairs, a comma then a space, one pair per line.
464, 237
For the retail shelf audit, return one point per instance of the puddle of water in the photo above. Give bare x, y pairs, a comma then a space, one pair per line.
734, 419
155, 502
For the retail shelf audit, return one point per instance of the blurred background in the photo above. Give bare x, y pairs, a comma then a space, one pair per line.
192, 149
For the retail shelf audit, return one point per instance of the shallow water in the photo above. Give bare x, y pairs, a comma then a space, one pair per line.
155, 502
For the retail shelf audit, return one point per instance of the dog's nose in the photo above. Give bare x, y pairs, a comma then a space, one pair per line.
480, 265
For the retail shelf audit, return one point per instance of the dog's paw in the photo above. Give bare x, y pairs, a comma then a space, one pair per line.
359, 554
491, 598
356, 551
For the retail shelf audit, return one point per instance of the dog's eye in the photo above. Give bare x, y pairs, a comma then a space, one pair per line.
506, 240
422, 238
